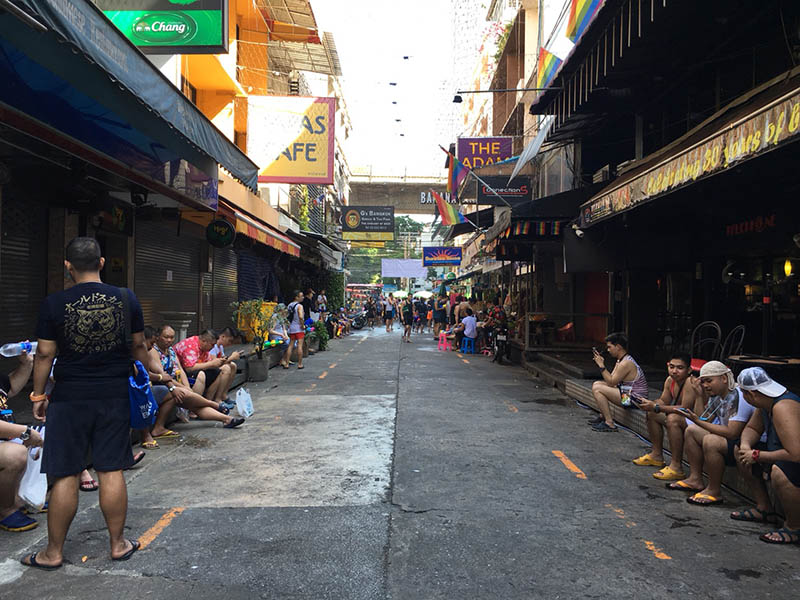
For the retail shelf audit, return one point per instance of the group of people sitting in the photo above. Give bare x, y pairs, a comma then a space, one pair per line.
751, 422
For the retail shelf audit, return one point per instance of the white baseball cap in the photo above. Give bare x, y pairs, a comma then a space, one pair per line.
756, 379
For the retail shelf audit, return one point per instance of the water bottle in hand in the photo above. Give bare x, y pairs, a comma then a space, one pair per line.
18, 348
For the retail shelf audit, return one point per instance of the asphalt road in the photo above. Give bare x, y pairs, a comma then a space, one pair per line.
389, 470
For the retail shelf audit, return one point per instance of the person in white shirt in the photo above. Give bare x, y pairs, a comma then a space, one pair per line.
711, 438
468, 327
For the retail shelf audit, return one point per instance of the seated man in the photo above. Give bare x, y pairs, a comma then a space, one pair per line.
193, 352
14, 456
167, 395
677, 393
625, 380
468, 327
778, 416
225, 339
710, 439
171, 364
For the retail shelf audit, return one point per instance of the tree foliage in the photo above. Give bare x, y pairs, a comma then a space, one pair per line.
364, 264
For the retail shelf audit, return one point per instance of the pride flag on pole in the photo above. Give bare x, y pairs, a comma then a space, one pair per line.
448, 212
456, 173
580, 15
548, 67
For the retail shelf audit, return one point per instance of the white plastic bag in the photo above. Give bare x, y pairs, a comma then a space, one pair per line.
33, 487
244, 403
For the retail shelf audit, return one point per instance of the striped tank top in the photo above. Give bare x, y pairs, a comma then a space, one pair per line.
637, 387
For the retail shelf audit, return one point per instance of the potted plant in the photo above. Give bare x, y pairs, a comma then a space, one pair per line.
253, 317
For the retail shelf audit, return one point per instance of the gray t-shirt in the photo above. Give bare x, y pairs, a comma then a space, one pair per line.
470, 326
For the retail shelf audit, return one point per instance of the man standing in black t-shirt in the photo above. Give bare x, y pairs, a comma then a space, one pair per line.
89, 409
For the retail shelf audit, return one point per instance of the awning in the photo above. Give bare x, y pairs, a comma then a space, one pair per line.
265, 235
532, 149
750, 126
128, 105
482, 218
503, 221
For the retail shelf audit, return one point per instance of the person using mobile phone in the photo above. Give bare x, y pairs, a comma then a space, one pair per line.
665, 413
617, 385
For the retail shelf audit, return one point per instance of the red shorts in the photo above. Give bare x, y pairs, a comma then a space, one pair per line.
297, 336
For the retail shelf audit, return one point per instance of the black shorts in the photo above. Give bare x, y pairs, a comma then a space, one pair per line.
211, 376
408, 320
84, 426
439, 316
791, 470
730, 456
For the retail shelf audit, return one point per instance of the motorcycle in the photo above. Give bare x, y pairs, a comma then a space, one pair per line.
358, 319
500, 344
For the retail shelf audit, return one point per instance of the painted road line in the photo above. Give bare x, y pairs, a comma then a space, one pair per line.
324, 375
510, 406
459, 355
569, 464
333, 366
464, 360
151, 534
657, 552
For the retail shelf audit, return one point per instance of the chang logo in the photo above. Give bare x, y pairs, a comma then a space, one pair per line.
164, 28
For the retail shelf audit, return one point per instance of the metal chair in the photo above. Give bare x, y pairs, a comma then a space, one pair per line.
705, 345
733, 343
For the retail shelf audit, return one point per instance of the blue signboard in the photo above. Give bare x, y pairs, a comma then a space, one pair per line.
437, 256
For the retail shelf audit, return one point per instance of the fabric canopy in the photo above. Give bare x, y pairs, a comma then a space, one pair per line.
403, 267
265, 235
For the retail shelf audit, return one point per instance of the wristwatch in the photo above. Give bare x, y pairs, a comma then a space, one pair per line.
756, 454
25, 435
171, 388
656, 408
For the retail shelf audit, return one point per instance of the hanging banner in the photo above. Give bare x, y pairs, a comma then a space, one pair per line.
482, 151
403, 267
516, 192
171, 26
437, 256
368, 223
291, 138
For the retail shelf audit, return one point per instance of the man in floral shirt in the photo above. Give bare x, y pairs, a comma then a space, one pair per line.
193, 353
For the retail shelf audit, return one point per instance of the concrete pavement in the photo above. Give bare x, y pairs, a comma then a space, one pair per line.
389, 470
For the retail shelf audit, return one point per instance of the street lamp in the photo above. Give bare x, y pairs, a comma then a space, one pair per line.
457, 99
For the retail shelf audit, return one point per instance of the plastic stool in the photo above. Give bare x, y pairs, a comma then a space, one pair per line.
443, 345
468, 345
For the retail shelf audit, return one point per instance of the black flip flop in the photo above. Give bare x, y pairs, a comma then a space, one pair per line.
299, 368
33, 563
129, 553
786, 536
749, 516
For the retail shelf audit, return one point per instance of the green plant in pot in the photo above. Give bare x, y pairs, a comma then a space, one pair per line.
320, 333
253, 318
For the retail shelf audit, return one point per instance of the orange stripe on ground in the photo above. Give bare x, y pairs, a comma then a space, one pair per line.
151, 534
324, 375
459, 355
464, 360
657, 552
333, 366
510, 406
569, 464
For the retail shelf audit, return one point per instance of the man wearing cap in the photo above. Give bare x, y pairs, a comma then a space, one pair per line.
711, 438
779, 419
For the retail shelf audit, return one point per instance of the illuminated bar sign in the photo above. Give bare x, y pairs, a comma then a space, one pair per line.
771, 126
171, 26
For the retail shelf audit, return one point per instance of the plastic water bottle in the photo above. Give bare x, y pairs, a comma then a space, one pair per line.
18, 348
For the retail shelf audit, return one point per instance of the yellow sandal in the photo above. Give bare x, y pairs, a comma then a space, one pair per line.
648, 461
669, 474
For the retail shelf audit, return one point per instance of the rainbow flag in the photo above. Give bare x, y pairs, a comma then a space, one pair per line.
541, 228
456, 173
580, 15
548, 67
556, 227
448, 212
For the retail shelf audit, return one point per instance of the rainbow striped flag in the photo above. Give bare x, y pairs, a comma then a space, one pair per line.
448, 212
456, 173
580, 15
541, 228
556, 227
548, 67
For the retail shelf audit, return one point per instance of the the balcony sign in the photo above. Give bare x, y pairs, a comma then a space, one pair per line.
291, 138
220, 233
171, 26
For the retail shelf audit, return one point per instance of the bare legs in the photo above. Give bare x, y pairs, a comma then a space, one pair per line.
603, 395
13, 459
61, 510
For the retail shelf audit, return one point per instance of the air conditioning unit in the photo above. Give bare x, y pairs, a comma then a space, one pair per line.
603, 174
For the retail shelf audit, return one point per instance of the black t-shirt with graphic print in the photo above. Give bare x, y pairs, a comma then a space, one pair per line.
87, 323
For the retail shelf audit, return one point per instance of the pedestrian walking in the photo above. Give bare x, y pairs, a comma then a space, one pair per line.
297, 331
388, 312
87, 326
407, 316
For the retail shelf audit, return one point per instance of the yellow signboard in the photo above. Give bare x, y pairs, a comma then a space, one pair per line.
368, 236
367, 244
291, 138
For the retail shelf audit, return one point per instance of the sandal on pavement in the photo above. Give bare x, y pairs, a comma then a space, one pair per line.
755, 515
669, 474
682, 486
32, 562
31, 510
90, 485
595, 420
129, 553
700, 499
234, 423
18, 521
150, 445
648, 461
603, 427
137, 458
788, 536
302, 367
166, 435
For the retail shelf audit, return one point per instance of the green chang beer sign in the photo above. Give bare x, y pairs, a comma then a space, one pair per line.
171, 26
220, 233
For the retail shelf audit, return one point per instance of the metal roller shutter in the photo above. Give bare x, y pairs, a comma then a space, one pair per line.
225, 287
23, 266
162, 254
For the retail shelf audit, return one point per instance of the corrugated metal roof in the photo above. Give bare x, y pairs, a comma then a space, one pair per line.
296, 12
317, 58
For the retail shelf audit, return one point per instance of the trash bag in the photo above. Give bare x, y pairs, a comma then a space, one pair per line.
33, 487
244, 403
143, 405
